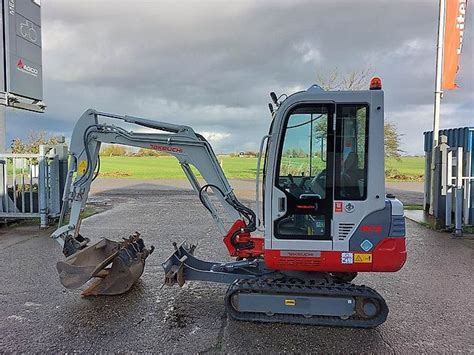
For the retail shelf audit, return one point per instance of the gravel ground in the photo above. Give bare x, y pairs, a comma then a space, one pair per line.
430, 299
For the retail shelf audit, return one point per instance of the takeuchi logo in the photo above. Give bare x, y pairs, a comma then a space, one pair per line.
26, 68
166, 148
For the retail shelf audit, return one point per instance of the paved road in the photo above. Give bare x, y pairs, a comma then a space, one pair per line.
430, 300
408, 192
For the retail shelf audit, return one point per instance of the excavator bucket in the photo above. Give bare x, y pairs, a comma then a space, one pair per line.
116, 265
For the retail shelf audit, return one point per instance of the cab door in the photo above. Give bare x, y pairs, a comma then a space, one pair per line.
303, 183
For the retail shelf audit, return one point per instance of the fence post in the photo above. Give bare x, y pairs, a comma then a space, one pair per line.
449, 188
427, 183
458, 192
54, 191
42, 188
439, 180
2, 186
467, 188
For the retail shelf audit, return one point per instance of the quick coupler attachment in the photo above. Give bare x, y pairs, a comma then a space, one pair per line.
116, 265
175, 264
74, 244
183, 265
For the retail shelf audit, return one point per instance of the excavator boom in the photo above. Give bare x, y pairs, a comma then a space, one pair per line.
127, 258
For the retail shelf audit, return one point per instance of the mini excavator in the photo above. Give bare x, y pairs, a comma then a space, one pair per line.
325, 215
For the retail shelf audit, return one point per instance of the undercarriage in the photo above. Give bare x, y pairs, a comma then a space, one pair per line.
258, 294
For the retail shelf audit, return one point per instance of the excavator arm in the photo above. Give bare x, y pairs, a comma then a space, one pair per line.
190, 148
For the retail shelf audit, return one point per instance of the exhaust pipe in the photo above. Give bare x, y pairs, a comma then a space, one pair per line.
127, 260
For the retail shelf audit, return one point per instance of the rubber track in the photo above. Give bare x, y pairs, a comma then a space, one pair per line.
301, 288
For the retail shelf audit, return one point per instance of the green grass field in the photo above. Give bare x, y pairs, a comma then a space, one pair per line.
405, 168
167, 167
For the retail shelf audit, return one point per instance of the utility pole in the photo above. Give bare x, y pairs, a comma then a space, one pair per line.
437, 95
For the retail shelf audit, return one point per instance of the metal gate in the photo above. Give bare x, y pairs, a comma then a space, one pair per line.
31, 185
453, 202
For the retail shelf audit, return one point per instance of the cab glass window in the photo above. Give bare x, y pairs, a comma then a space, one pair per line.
303, 163
303, 174
351, 152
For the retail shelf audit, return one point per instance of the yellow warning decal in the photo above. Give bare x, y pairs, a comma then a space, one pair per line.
362, 258
290, 302
82, 167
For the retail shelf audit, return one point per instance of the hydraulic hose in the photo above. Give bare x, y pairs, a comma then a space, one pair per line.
243, 210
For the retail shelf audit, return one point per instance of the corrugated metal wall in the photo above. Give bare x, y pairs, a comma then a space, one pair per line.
457, 137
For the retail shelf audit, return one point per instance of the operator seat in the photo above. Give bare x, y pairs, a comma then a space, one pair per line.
318, 184
351, 175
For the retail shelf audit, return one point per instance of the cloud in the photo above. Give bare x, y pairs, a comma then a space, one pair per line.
309, 53
211, 65
420, 118
215, 136
412, 47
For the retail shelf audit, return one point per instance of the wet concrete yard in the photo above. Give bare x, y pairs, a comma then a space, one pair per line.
430, 299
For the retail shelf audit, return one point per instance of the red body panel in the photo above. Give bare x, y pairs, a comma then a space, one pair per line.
389, 255
258, 242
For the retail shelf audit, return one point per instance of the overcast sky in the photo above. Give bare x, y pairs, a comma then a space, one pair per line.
211, 65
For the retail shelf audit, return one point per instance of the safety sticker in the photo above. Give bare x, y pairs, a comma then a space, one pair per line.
289, 302
347, 258
82, 167
363, 258
366, 245
349, 207
337, 207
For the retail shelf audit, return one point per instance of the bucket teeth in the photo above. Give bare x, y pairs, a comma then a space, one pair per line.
127, 259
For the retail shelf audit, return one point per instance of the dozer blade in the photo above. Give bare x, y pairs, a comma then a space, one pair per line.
127, 259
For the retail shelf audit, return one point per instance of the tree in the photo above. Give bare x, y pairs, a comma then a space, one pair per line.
145, 152
359, 80
113, 150
392, 141
354, 80
32, 142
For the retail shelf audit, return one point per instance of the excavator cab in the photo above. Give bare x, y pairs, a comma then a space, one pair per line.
325, 185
